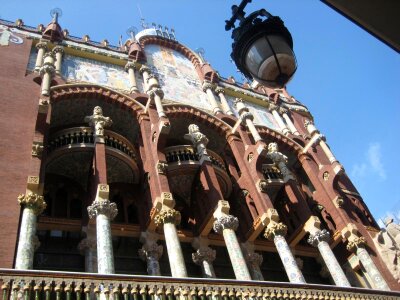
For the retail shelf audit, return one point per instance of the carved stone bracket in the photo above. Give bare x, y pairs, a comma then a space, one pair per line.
104, 207
33, 201
225, 222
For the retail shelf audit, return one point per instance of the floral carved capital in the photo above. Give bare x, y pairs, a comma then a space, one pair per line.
104, 207
32, 201
153, 251
168, 216
225, 222
204, 254
319, 236
356, 242
274, 229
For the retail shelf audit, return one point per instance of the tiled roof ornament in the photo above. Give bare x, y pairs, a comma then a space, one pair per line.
53, 31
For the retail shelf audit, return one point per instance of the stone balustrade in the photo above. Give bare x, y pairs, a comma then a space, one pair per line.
49, 285
85, 135
181, 153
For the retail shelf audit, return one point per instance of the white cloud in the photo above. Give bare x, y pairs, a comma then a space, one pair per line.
372, 164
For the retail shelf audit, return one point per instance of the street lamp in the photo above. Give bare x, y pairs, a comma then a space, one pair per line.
262, 46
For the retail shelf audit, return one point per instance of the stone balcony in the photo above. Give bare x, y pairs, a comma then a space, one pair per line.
49, 285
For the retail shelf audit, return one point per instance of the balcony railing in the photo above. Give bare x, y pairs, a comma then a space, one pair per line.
47, 285
186, 153
81, 136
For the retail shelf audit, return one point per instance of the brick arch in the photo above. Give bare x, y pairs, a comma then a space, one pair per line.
77, 91
204, 71
192, 113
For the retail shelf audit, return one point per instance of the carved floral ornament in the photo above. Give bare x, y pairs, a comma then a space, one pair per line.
356, 242
168, 216
104, 207
274, 229
32, 201
225, 222
319, 236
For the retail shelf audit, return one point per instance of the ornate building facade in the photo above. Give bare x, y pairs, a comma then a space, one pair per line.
134, 162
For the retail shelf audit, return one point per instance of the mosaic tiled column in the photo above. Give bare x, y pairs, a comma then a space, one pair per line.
357, 245
208, 89
104, 211
204, 257
226, 225
151, 253
254, 261
88, 248
47, 72
225, 106
130, 68
276, 231
169, 218
320, 239
58, 51
33, 205
42, 47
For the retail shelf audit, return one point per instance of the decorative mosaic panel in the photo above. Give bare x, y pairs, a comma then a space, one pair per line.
177, 76
261, 115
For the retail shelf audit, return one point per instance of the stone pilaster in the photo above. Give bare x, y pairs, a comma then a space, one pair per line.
88, 248
320, 240
208, 89
47, 72
42, 47
225, 105
169, 218
32, 205
130, 68
104, 211
227, 225
59, 52
276, 232
151, 252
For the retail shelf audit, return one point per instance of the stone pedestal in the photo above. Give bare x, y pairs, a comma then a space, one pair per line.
276, 231
226, 225
104, 211
320, 239
169, 218
33, 205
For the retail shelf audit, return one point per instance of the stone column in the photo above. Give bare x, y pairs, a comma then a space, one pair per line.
87, 247
204, 257
208, 89
47, 72
59, 51
274, 110
156, 95
247, 119
42, 47
320, 240
357, 245
151, 253
104, 211
33, 205
130, 68
289, 122
254, 261
169, 218
225, 105
226, 225
276, 232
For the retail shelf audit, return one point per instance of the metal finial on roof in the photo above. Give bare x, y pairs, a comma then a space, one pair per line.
131, 31
56, 13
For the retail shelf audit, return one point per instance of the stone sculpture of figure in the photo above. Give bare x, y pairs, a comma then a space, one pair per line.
198, 139
388, 244
280, 160
98, 121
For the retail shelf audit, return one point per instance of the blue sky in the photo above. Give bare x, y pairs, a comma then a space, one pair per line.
348, 79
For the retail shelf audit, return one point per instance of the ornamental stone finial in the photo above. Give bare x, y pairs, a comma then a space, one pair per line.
204, 254
32, 201
198, 139
98, 121
168, 216
280, 160
319, 236
104, 207
225, 222
274, 229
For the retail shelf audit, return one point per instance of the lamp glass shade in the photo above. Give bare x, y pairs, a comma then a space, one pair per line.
262, 64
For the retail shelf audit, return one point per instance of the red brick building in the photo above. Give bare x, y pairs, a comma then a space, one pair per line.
142, 160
